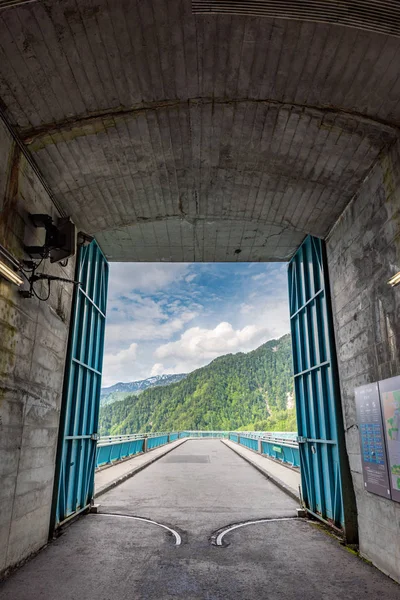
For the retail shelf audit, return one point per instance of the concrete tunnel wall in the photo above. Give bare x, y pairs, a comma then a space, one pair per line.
33, 342
363, 253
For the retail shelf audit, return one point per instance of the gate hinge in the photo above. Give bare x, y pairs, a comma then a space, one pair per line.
301, 439
95, 437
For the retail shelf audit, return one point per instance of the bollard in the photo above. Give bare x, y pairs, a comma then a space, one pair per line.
259, 445
145, 444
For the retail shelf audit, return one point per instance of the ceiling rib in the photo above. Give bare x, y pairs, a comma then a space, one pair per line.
33, 135
13, 3
369, 15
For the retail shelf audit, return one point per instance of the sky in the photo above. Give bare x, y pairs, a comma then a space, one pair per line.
167, 318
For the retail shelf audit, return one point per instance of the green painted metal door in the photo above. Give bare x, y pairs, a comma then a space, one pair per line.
81, 396
326, 481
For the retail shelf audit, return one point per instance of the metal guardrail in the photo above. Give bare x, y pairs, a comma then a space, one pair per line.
284, 436
110, 452
113, 448
112, 439
281, 446
205, 434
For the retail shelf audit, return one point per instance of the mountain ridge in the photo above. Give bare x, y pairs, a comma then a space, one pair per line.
121, 390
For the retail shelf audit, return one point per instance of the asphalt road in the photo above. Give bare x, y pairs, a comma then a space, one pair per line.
198, 488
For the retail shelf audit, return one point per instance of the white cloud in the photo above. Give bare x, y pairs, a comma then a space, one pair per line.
145, 325
158, 369
134, 306
199, 344
259, 277
178, 368
118, 366
145, 277
140, 308
246, 308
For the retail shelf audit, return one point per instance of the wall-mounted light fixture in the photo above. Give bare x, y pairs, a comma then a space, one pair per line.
9, 274
60, 241
395, 280
9, 267
59, 245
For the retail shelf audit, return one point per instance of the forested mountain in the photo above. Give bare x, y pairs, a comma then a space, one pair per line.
121, 390
251, 390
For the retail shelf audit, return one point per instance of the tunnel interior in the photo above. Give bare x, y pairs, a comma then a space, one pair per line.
172, 134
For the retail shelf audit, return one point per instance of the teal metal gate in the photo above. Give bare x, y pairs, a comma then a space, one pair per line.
81, 396
326, 482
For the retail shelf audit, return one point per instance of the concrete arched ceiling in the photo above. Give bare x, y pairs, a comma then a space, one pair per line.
179, 136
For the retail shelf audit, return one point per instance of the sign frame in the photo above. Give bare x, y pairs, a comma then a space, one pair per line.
389, 393
372, 440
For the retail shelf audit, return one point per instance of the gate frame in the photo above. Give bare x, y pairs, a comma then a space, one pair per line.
53, 524
317, 247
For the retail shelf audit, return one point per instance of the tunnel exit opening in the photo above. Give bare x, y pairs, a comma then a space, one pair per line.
327, 489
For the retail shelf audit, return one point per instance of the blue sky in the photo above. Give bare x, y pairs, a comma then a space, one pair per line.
177, 317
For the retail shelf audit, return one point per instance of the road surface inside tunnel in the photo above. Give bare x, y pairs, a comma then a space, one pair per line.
198, 488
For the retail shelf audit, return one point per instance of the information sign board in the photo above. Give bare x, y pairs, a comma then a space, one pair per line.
373, 451
389, 390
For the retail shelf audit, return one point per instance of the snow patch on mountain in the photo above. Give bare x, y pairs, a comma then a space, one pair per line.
116, 392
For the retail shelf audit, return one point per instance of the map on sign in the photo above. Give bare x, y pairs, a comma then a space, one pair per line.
373, 451
390, 402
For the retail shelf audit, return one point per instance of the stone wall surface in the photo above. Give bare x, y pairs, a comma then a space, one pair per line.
33, 342
363, 253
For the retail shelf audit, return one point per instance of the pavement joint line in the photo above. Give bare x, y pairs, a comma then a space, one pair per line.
217, 536
135, 470
280, 484
178, 539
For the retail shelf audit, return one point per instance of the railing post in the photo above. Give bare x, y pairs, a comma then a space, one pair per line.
168, 438
259, 445
145, 443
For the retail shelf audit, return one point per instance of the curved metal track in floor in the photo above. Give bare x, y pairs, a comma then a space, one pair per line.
177, 536
218, 536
